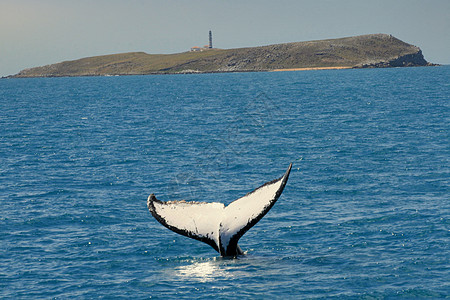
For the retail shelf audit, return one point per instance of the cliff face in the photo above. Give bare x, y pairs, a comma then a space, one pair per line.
366, 51
407, 60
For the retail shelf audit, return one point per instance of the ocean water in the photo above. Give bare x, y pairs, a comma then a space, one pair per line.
365, 213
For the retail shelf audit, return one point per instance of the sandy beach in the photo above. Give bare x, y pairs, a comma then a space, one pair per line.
308, 69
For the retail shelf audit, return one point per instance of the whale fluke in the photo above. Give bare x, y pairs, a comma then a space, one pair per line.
215, 224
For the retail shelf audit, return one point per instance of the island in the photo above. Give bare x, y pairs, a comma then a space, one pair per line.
365, 51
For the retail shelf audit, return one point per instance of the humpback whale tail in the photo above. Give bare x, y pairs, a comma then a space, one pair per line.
215, 224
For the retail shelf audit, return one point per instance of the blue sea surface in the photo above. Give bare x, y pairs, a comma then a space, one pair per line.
365, 213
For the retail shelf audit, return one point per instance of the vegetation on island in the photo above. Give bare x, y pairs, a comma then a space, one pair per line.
365, 51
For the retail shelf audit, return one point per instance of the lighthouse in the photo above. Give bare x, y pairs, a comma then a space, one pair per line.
210, 39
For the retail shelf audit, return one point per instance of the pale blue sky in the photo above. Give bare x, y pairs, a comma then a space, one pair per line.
40, 32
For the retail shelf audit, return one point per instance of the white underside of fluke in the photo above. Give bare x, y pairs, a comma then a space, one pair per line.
214, 223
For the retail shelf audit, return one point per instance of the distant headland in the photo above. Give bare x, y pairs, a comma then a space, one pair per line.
365, 51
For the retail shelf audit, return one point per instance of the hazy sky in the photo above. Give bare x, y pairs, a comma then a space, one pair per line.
40, 32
